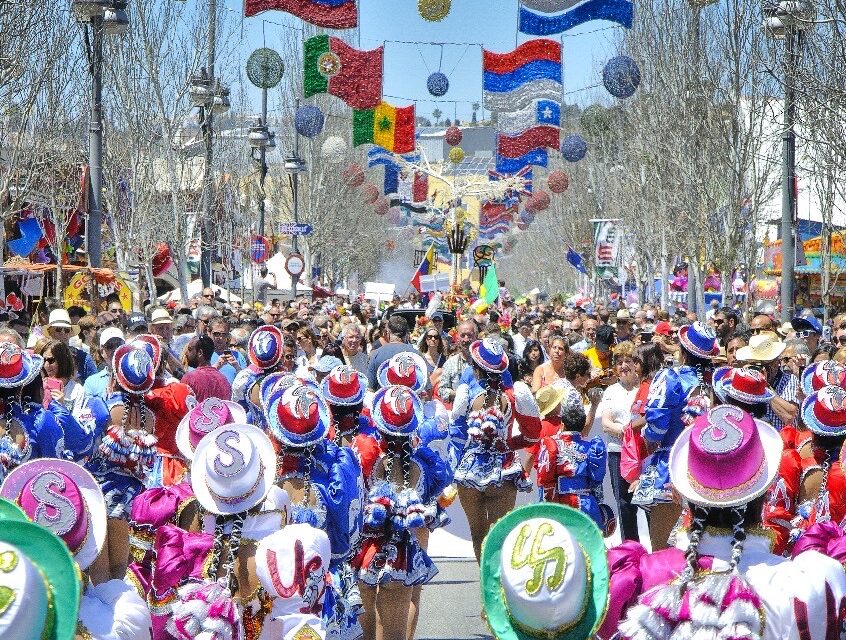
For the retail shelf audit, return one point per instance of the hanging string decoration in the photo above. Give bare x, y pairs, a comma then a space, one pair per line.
434, 10
332, 66
437, 84
308, 121
574, 14
531, 72
265, 68
573, 148
333, 150
595, 121
382, 207
621, 76
456, 155
558, 181
334, 14
370, 193
353, 175
453, 136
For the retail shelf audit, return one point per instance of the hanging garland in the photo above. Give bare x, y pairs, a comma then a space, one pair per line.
456, 155
558, 181
353, 175
621, 76
434, 10
333, 150
573, 148
308, 121
437, 84
453, 136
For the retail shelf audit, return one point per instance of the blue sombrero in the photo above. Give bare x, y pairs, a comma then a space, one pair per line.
824, 411
272, 386
745, 385
699, 339
489, 355
17, 367
299, 417
133, 369
343, 387
397, 410
821, 374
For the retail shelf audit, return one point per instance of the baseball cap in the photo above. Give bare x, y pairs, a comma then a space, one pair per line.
326, 364
663, 328
110, 333
136, 321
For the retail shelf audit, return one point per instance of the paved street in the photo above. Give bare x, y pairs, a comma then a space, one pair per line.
451, 603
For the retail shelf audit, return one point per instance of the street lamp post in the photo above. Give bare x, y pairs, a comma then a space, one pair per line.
104, 17
786, 21
294, 166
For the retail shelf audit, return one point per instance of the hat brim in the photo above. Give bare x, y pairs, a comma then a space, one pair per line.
10, 511
199, 476
338, 401
590, 538
74, 329
420, 374
480, 362
773, 446
32, 365
560, 392
748, 354
92, 496
183, 432
51, 556
692, 348
812, 422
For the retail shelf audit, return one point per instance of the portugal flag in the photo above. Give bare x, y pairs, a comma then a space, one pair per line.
332, 66
389, 127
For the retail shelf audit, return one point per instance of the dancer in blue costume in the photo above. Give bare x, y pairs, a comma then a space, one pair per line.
326, 488
677, 396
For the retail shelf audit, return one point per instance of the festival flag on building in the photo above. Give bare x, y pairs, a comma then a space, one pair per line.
332, 66
386, 126
531, 72
543, 22
329, 14
425, 267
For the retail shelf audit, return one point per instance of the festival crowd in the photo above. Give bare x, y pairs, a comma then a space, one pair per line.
215, 471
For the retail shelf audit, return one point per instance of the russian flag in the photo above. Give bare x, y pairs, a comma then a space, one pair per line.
532, 71
537, 24
538, 157
424, 268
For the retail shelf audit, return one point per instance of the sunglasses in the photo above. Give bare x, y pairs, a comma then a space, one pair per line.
805, 333
61, 329
208, 295
756, 330
288, 357
50, 360
432, 336
116, 310
219, 334
841, 340
718, 321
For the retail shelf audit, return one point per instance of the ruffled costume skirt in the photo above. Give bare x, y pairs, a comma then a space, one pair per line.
480, 468
119, 487
342, 604
385, 558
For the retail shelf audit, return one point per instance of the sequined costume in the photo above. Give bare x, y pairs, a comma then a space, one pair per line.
42, 436
571, 471
482, 445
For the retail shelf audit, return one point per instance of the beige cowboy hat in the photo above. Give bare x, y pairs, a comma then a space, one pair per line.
764, 347
549, 397
785, 329
160, 316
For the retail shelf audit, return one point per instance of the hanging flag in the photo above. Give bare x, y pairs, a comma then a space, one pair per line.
513, 80
530, 140
420, 189
525, 174
540, 112
606, 241
332, 66
576, 13
425, 267
386, 126
538, 157
576, 260
391, 184
329, 14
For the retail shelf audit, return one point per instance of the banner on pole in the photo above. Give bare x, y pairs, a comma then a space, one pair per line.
606, 248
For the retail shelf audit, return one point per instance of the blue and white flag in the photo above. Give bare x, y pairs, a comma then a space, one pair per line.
540, 112
572, 15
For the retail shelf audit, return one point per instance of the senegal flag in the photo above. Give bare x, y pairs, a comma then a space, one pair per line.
389, 127
332, 66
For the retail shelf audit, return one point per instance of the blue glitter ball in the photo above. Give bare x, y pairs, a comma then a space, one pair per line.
573, 148
621, 76
438, 84
308, 121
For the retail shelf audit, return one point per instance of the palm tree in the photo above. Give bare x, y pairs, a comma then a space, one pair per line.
436, 114
476, 107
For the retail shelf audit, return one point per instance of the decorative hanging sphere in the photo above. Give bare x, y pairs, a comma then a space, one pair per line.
434, 10
453, 136
595, 120
390, 245
394, 217
333, 150
437, 84
265, 68
308, 121
456, 155
353, 175
573, 148
621, 76
558, 181
370, 193
382, 206
540, 200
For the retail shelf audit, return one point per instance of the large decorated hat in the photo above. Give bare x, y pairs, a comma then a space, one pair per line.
544, 574
273, 385
727, 458
489, 355
343, 387
745, 385
203, 418
405, 368
133, 368
233, 469
822, 374
63, 497
298, 554
397, 410
151, 344
264, 348
699, 339
17, 367
824, 411
39, 584
299, 417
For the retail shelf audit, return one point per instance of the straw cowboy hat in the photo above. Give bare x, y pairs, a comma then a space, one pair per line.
764, 347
